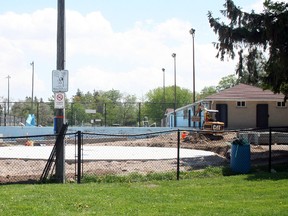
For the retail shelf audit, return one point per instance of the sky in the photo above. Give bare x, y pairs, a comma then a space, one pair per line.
111, 44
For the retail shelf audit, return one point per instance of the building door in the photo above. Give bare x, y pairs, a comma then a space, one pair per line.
262, 116
222, 115
171, 121
189, 118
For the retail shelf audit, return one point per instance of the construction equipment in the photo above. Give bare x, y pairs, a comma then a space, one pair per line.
211, 125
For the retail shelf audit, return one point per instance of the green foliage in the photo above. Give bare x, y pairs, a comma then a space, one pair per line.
112, 108
267, 31
21, 109
251, 69
227, 82
79, 114
206, 91
45, 114
42, 111
129, 110
157, 103
133, 177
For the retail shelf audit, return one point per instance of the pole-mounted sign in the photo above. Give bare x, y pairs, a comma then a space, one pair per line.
60, 81
59, 100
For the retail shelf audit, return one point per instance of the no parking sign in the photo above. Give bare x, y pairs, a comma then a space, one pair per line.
59, 100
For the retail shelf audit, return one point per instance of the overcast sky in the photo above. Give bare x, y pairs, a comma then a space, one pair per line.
110, 44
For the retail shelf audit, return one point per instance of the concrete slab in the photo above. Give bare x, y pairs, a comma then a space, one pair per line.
101, 153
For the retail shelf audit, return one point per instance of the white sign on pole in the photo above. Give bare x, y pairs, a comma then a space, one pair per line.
196, 118
90, 111
60, 81
59, 100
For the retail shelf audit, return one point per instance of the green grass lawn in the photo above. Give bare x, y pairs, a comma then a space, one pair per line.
200, 193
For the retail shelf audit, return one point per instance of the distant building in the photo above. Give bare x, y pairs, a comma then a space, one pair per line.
242, 106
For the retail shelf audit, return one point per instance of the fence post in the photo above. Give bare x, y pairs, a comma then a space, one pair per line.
79, 157
178, 154
105, 115
270, 149
139, 114
5, 114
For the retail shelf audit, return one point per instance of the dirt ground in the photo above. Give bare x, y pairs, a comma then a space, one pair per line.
18, 170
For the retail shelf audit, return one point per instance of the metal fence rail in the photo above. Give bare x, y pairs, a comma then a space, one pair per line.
268, 146
126, 154
23, 159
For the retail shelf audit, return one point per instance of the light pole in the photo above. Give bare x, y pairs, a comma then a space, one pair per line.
164, 100
174, 57
8, 77
32, 64
192, 32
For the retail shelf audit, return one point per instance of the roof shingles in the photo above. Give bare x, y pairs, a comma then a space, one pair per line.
245, 92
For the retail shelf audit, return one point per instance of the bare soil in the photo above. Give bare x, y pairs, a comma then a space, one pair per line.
19, 170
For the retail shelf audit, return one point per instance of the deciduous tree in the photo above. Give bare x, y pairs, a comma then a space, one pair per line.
155, 107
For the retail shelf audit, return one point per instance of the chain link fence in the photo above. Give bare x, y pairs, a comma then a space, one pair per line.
16, 113
125, 114
268, 146
155, 152
7, 118
23, 159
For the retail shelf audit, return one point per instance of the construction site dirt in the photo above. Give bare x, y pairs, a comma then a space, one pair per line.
26, 170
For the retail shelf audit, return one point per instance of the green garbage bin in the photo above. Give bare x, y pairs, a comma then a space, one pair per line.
240, 156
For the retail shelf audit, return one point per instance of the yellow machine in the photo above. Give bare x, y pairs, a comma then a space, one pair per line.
211, 125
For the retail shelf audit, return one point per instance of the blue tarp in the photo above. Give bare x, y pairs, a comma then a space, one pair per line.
30, 121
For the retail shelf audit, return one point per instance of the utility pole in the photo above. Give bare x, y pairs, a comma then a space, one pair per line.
164, 100
192, 32
59, 118
32, 96
8, 77
175, 87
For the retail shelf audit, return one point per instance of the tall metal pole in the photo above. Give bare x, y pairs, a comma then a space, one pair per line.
8, 77
192, 32
59, 118
32, 95
163, 122
164, 95
175, 99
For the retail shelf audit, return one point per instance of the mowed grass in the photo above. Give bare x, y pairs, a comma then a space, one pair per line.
197, 193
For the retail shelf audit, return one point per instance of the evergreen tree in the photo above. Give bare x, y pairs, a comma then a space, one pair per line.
264, 32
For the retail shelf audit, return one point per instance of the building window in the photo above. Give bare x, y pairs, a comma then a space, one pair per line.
281, 104
185, 113
241, 104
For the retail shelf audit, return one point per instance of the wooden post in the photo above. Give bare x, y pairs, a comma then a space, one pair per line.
59, 113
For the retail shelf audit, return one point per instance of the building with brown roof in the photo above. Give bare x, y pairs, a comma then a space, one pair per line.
241, 106
245, 106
